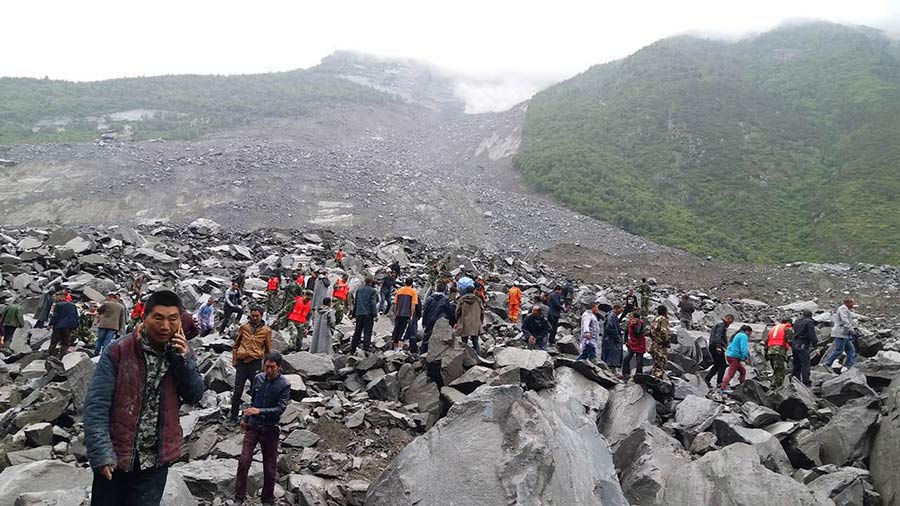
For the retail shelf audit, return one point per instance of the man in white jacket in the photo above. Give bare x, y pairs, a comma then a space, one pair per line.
842, 332
590, 333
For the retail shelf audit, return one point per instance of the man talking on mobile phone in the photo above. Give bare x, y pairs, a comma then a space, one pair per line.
132, 430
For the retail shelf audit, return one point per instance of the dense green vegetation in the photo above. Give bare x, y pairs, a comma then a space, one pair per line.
778, 148
31, 109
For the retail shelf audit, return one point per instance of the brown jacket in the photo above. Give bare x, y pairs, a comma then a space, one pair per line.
470, 316
110, 315
252, 343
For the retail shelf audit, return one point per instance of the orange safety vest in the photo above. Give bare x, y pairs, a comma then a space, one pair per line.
776, 335
340, 256
340, 290
273, 283
300, 280
300, 313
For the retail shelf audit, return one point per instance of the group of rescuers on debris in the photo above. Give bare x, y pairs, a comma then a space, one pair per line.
146, 368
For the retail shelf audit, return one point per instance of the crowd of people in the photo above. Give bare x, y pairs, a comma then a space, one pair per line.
146, 368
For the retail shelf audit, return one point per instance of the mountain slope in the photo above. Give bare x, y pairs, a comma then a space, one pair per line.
172, 107
774, 148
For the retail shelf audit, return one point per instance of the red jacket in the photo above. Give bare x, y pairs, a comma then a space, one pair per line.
637, 336
301, 310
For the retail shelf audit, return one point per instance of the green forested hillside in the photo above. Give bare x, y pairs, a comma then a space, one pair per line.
781, 147
35, 110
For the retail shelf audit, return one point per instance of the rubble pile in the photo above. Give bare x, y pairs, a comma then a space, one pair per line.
507, 426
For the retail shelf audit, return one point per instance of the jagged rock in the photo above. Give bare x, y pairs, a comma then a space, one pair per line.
426, 395
578, 393
851, 384
629, 406
794, 400
451, 396
39, 434
373, 361
310, 489
211, 478
385, 388
30, 455
645, 459
759, 416
309, 365
79, 245
301, 438
694, 415
204, 226
535, 366
771, 454
220, 378
177, 492
802, 449
879, 371
845, 488
735, 473
704, 443
39, 477
848, 435
868, 345
593, 372
886, 449
568, 345
473, 378
752, 391
74, 497
496, 431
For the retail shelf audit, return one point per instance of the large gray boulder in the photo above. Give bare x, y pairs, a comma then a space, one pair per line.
886, 450
41, 476
503, 445
694, 415
578, 393
844, 487
644, 461
212, 478
629, 406
848, 435
734, 476
535, 366
851, 384
309, 365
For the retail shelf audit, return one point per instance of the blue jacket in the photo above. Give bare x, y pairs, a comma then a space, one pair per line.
366, 301
271, 397
611, 329
739, 347
556, 305
65, 316
438, 306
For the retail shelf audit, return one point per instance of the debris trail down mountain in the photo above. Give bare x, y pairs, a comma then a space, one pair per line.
359, 427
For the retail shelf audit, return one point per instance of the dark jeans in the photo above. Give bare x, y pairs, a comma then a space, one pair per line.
363, 329
135, 488
842, 345
540, 343
61, 338
228, 312
588, 352
243, 372
427, 330
267, 437
40, 324
412, 335
104, 337
801, 363
8, 331
385, 301
626, 365
554, 325
474, 339
400, 325
719, 365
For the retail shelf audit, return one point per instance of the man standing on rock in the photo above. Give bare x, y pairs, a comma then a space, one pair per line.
365, 311
659, 342
636, 344
805, 339
842, 332
300, 318
631, 303
11, 318
611, 349
556, 309
253, 343
470, 318
405, 302
111, 314
272, 287
233, 305
339, 297
737, 353
686, 312
718, 342
644, 289
536, 330
63, 322
514, 297
321, 291
339, 258
206, 315
271, 394
387, 286
437, 306
131, 423
777, 346
590, 333
43, 311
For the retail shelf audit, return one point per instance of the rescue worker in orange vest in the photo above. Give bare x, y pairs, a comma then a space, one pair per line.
777, 346
514, 296
339, 297
272, 291
300, 317
339, 258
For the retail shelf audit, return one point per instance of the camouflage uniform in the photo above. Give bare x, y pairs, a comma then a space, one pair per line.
291, 291
302, 330
659, 348
777, 356
148, 426
85, 330
644, 289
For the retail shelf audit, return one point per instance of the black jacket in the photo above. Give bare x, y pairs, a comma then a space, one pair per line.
438, 306
805, 332
556, 305
718, 336
536, 326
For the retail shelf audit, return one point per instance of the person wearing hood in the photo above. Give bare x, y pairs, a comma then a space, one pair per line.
611, 350
470, 318
253, 343
323, 328
590, 333
320, 293
437, 306
805, 339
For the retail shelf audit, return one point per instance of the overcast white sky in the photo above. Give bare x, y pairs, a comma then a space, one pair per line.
513, 42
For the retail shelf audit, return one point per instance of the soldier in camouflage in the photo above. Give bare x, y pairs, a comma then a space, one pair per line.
659, 342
